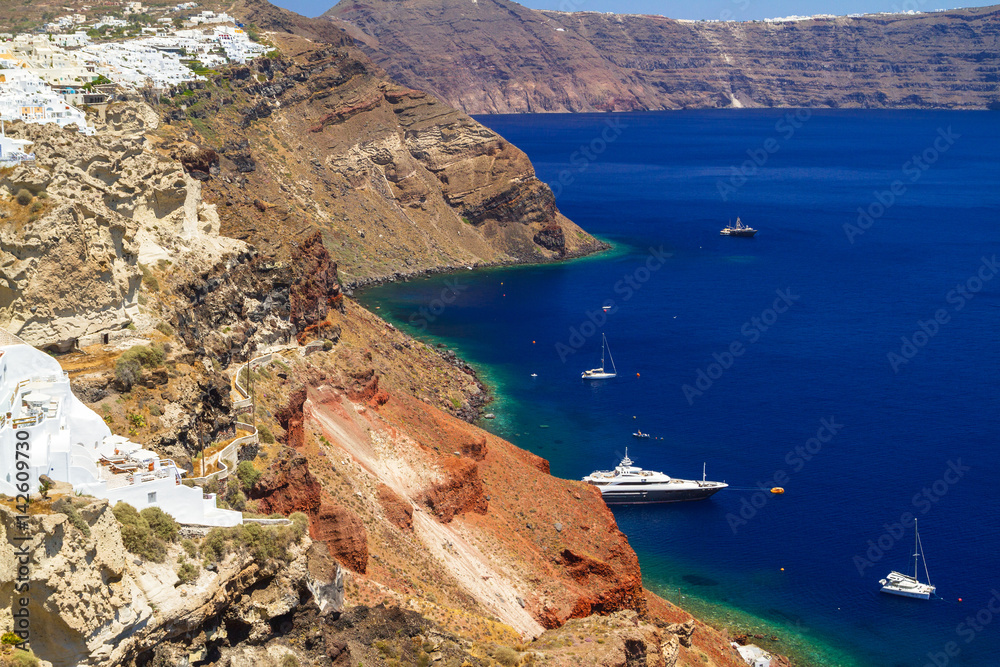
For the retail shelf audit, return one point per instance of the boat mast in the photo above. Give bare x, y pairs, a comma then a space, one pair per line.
920, 548
609, 356
604, 342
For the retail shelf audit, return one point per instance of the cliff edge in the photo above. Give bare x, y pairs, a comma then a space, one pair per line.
496, 56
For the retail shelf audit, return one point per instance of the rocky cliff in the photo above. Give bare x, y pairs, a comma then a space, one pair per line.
397, 182
496, 56
76, 224
314, 149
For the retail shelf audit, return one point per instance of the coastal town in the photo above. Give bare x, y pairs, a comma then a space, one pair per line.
82, 61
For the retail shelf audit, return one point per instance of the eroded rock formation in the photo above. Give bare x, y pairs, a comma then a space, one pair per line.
69, 260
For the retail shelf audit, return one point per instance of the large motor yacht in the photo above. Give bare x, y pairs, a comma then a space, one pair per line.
627, 484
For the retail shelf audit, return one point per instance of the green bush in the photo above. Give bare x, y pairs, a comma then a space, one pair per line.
265, 435
10, 638
187, 573
247, 474
148, 279
138, 536
24, 196
190, 548
165, 329
22, 659
263, 543
128, 368
505, 655
148, 356
161, 523
36, 207
66, 506
128, 372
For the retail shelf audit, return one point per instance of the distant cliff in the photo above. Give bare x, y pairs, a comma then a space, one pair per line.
495, 56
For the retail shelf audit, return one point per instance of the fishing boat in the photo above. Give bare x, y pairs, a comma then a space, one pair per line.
629, 485
600, 373
897, 583
738, 230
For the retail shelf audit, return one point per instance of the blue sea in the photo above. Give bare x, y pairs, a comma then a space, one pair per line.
848, 353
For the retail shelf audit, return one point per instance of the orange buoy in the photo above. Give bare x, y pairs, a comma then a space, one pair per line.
777, 490
532, 342
637, 375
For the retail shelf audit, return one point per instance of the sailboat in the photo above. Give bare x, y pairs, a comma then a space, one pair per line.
600, 373
898, 583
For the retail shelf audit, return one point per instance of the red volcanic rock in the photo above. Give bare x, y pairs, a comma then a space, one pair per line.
290, 417
474, 446
315, 290
363, 386
397, 510
460, 492
345, 112
288, 486
343, 532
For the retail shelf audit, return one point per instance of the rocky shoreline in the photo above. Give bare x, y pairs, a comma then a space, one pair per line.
402, 276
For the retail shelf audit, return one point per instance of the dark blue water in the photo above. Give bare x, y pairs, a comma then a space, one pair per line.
804, 565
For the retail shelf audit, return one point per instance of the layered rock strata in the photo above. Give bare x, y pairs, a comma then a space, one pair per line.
496, 56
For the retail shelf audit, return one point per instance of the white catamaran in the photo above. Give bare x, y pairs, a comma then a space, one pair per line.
600, 373
898, 583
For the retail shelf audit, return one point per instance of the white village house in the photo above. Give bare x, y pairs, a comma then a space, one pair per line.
46, 430
23, 96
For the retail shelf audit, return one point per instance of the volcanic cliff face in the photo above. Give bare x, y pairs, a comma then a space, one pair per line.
495, 56
395, 181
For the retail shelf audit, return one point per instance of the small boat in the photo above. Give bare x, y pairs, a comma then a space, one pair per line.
629, 485
534, 375
640, 434
600, 373
739, 230
897, 583
606, 308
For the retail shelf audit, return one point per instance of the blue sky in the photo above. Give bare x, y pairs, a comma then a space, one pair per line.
737, 10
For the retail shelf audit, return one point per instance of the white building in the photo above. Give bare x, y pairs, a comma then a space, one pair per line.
13, 151
23, 96
46, 430
753, 655
208, 16
136, 62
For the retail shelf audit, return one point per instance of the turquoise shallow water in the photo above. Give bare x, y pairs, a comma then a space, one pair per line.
683, 296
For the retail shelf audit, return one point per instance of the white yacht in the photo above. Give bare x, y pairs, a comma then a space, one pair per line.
897, 583
628, 485
600, 373
739, 230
